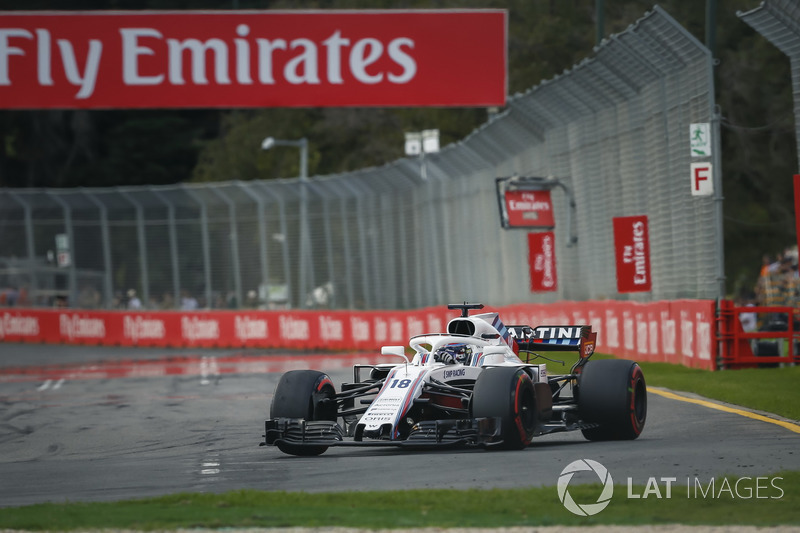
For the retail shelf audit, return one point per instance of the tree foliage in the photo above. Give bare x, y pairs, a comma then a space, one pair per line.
58, 148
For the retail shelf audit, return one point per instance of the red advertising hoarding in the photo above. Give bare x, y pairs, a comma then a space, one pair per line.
542, 261
195, 59
681, 332
632, 252
529, 209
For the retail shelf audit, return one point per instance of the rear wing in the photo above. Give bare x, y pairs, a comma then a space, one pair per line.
579, 339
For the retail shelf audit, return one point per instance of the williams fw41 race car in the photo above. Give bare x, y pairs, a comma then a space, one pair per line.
466, 387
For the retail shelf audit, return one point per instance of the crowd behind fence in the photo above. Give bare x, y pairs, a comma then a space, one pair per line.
416, 232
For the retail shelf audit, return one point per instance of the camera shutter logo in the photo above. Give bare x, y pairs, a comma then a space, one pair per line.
586, 509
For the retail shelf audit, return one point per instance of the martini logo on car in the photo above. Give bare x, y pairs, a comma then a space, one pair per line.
585, 509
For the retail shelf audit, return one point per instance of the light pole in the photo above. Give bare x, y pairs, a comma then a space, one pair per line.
305, 242
419, 143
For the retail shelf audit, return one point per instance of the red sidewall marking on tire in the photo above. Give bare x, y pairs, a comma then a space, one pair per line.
517, 418
637, 372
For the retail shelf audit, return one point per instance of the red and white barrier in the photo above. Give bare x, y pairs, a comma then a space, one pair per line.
681, 332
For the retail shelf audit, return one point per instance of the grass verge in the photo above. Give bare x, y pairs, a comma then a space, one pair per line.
776, 502
775, 390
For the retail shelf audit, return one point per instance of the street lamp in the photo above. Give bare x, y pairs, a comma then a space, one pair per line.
269, 142
305, 241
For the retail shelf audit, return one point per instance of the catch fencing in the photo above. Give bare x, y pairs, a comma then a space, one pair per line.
417, 232
779, 22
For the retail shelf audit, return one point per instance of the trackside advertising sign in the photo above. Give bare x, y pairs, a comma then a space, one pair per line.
679, 331
529, 209
195, 59
542, 260
632, 251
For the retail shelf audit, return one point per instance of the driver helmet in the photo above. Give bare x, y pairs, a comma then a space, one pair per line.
453, 353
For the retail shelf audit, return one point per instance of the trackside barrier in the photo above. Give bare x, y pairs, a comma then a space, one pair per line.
736, 346
675, 331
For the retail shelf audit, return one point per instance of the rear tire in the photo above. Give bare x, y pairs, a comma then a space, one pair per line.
613, 394
300, 394
507, 393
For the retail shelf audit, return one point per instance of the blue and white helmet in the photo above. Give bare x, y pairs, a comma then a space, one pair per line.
453, 353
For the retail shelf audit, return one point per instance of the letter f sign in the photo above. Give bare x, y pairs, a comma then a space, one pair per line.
702, 182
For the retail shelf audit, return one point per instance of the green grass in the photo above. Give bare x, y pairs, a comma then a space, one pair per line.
420, 508
775, 390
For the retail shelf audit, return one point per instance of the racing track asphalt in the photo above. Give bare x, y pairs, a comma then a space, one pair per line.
110, 424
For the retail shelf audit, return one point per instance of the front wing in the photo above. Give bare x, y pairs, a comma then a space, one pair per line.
483, 432
426, 434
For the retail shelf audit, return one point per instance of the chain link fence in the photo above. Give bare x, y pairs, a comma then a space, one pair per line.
416, 232
779, 22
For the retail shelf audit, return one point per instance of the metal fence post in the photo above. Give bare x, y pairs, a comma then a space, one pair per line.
234, 238
718, 201
140, 236
362, 237
173, 244
73, 278
287, 272
29, 243
326, 214
108, 289
348, 266
206, 241
262, 230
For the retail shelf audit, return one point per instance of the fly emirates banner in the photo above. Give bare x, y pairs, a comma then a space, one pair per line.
194, 59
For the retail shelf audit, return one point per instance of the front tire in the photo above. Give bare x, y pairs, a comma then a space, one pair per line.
613, 394
507, 393
301, 394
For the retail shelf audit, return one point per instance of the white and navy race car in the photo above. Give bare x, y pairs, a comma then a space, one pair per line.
465, 387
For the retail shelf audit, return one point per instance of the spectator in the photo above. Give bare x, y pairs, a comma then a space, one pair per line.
167, 301
787, 284
768, 290
12, 295
188, 302
252, 299
133, 301
89, 298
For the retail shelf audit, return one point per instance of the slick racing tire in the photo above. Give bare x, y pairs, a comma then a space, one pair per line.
612, 394
507, 393
299, 395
